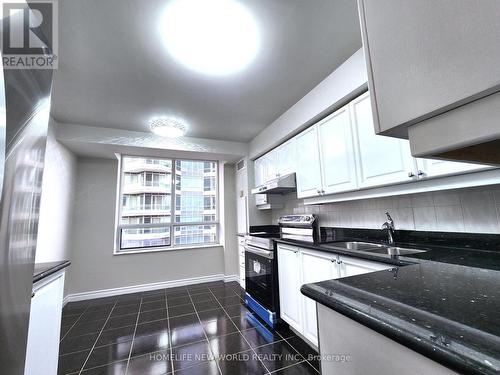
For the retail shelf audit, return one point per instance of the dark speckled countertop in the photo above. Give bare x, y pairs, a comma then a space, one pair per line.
444, 303
42, 270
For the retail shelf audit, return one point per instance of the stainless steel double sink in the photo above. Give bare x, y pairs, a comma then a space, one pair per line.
373, 248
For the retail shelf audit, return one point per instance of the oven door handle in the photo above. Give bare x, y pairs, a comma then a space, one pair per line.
264, 253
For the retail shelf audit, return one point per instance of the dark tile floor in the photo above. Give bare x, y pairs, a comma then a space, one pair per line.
198, 329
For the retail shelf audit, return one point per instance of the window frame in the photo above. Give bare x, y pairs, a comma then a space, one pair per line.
118, 250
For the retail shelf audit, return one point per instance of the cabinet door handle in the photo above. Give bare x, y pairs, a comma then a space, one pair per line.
319, 191
421, 173
32, 294
411, 174
322, 192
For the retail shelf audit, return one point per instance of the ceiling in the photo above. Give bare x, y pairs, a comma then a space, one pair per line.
114, 71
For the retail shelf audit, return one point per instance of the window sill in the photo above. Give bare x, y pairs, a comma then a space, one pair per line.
162, 249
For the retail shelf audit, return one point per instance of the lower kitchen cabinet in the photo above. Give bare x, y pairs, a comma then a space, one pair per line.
298, 266
316, 266
42, 350
289, 284
349, 266
241, 260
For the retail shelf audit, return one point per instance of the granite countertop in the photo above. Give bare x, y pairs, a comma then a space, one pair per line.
443, 303
437, 253
42, 270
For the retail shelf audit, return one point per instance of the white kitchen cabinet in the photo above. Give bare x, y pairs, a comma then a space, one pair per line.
276, 163
289, 282
426, 57
242, 199
42, 351
270, 161
381, 160
435, 168
350, 266
259, 171
298, 266
241, 260
338, 169
309, 182
286, 158
316, 266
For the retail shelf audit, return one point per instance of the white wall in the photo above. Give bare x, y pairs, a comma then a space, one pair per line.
345, 83
474, 210
56, 202
94, 267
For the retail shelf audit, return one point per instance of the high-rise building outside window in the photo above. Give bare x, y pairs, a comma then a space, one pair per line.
166, 203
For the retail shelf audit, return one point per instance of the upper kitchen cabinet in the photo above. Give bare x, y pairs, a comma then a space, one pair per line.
436, 168
259, 174
309, 182
434, 75
381, 160
276, 163
338, 169
270, 165
286, 158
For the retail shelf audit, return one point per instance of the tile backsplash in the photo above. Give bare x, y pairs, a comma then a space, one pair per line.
474, 210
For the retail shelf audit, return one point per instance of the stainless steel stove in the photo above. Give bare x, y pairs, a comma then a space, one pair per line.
261, 268
261, 273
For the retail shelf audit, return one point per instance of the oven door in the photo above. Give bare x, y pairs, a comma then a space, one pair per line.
260, 276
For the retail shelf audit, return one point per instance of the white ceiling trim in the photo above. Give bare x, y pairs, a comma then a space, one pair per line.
93, 141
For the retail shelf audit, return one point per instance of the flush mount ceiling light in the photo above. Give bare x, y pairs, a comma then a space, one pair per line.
214, 37
167, 127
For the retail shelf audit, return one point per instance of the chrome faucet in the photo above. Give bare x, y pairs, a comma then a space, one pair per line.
390, 227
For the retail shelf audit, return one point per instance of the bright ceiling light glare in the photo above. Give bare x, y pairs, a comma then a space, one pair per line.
214, 37
167, 127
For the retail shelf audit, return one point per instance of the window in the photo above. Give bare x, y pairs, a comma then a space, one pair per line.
167, 203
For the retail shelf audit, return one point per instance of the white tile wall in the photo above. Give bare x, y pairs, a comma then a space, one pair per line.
474, 210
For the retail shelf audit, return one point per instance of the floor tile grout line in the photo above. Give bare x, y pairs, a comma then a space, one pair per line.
244, 338
76, 321
97, 338
287, 367
294, 348
213, 291
204, 333
133, 336
169, 334
286, 341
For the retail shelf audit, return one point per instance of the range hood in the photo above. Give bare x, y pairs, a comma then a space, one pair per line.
280, 185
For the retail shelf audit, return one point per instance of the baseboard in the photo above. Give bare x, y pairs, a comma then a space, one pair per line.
145, 287
230, 278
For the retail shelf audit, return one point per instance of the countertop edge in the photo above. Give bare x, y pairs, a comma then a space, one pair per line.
50, 271
354, 254
425, 347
